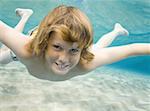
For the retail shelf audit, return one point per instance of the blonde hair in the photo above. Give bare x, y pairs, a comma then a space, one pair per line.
72, 24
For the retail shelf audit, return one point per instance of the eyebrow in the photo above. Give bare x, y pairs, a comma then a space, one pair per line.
57, 44
73, 47
77, 48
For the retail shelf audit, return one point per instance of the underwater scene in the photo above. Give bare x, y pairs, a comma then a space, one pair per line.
121, 86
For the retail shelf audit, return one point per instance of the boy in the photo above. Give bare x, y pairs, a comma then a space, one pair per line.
62, 45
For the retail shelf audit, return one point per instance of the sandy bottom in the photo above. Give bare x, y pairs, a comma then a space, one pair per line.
105, 89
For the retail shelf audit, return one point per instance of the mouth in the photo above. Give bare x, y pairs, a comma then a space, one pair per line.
62, 67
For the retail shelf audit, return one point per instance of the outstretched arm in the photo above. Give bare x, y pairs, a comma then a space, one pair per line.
112, 54
13, 39
6, 55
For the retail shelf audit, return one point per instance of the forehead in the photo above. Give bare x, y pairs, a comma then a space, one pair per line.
58, 39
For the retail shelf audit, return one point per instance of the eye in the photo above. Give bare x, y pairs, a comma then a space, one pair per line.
57, 47
74, 51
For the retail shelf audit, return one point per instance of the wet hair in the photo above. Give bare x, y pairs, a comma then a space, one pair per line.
73, 26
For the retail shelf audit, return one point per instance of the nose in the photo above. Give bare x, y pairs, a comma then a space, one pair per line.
63, 58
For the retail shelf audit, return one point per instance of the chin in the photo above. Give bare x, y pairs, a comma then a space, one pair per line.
56, 71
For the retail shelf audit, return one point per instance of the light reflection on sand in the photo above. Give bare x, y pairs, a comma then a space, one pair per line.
104, 89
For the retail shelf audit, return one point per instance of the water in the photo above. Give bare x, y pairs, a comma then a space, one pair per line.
122, 86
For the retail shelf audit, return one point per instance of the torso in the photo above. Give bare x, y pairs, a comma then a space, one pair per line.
35, 68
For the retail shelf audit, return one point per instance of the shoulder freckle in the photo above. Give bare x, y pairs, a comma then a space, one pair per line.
84, 64
26, 53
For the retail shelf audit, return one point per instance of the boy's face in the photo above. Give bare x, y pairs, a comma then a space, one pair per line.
61, 56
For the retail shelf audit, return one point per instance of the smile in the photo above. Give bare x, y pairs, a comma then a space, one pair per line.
62, 67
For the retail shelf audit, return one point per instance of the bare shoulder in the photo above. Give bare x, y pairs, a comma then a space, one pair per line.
83, 66
97, 60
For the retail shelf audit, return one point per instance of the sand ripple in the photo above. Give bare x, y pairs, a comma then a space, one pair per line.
104, 89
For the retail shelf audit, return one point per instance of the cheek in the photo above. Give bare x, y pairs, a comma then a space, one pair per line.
51, 55
51, 52
75, 59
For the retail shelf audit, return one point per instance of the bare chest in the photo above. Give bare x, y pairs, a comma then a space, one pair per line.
37, 69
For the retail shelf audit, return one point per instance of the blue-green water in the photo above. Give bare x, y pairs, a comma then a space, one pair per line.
133, 15
122, 86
